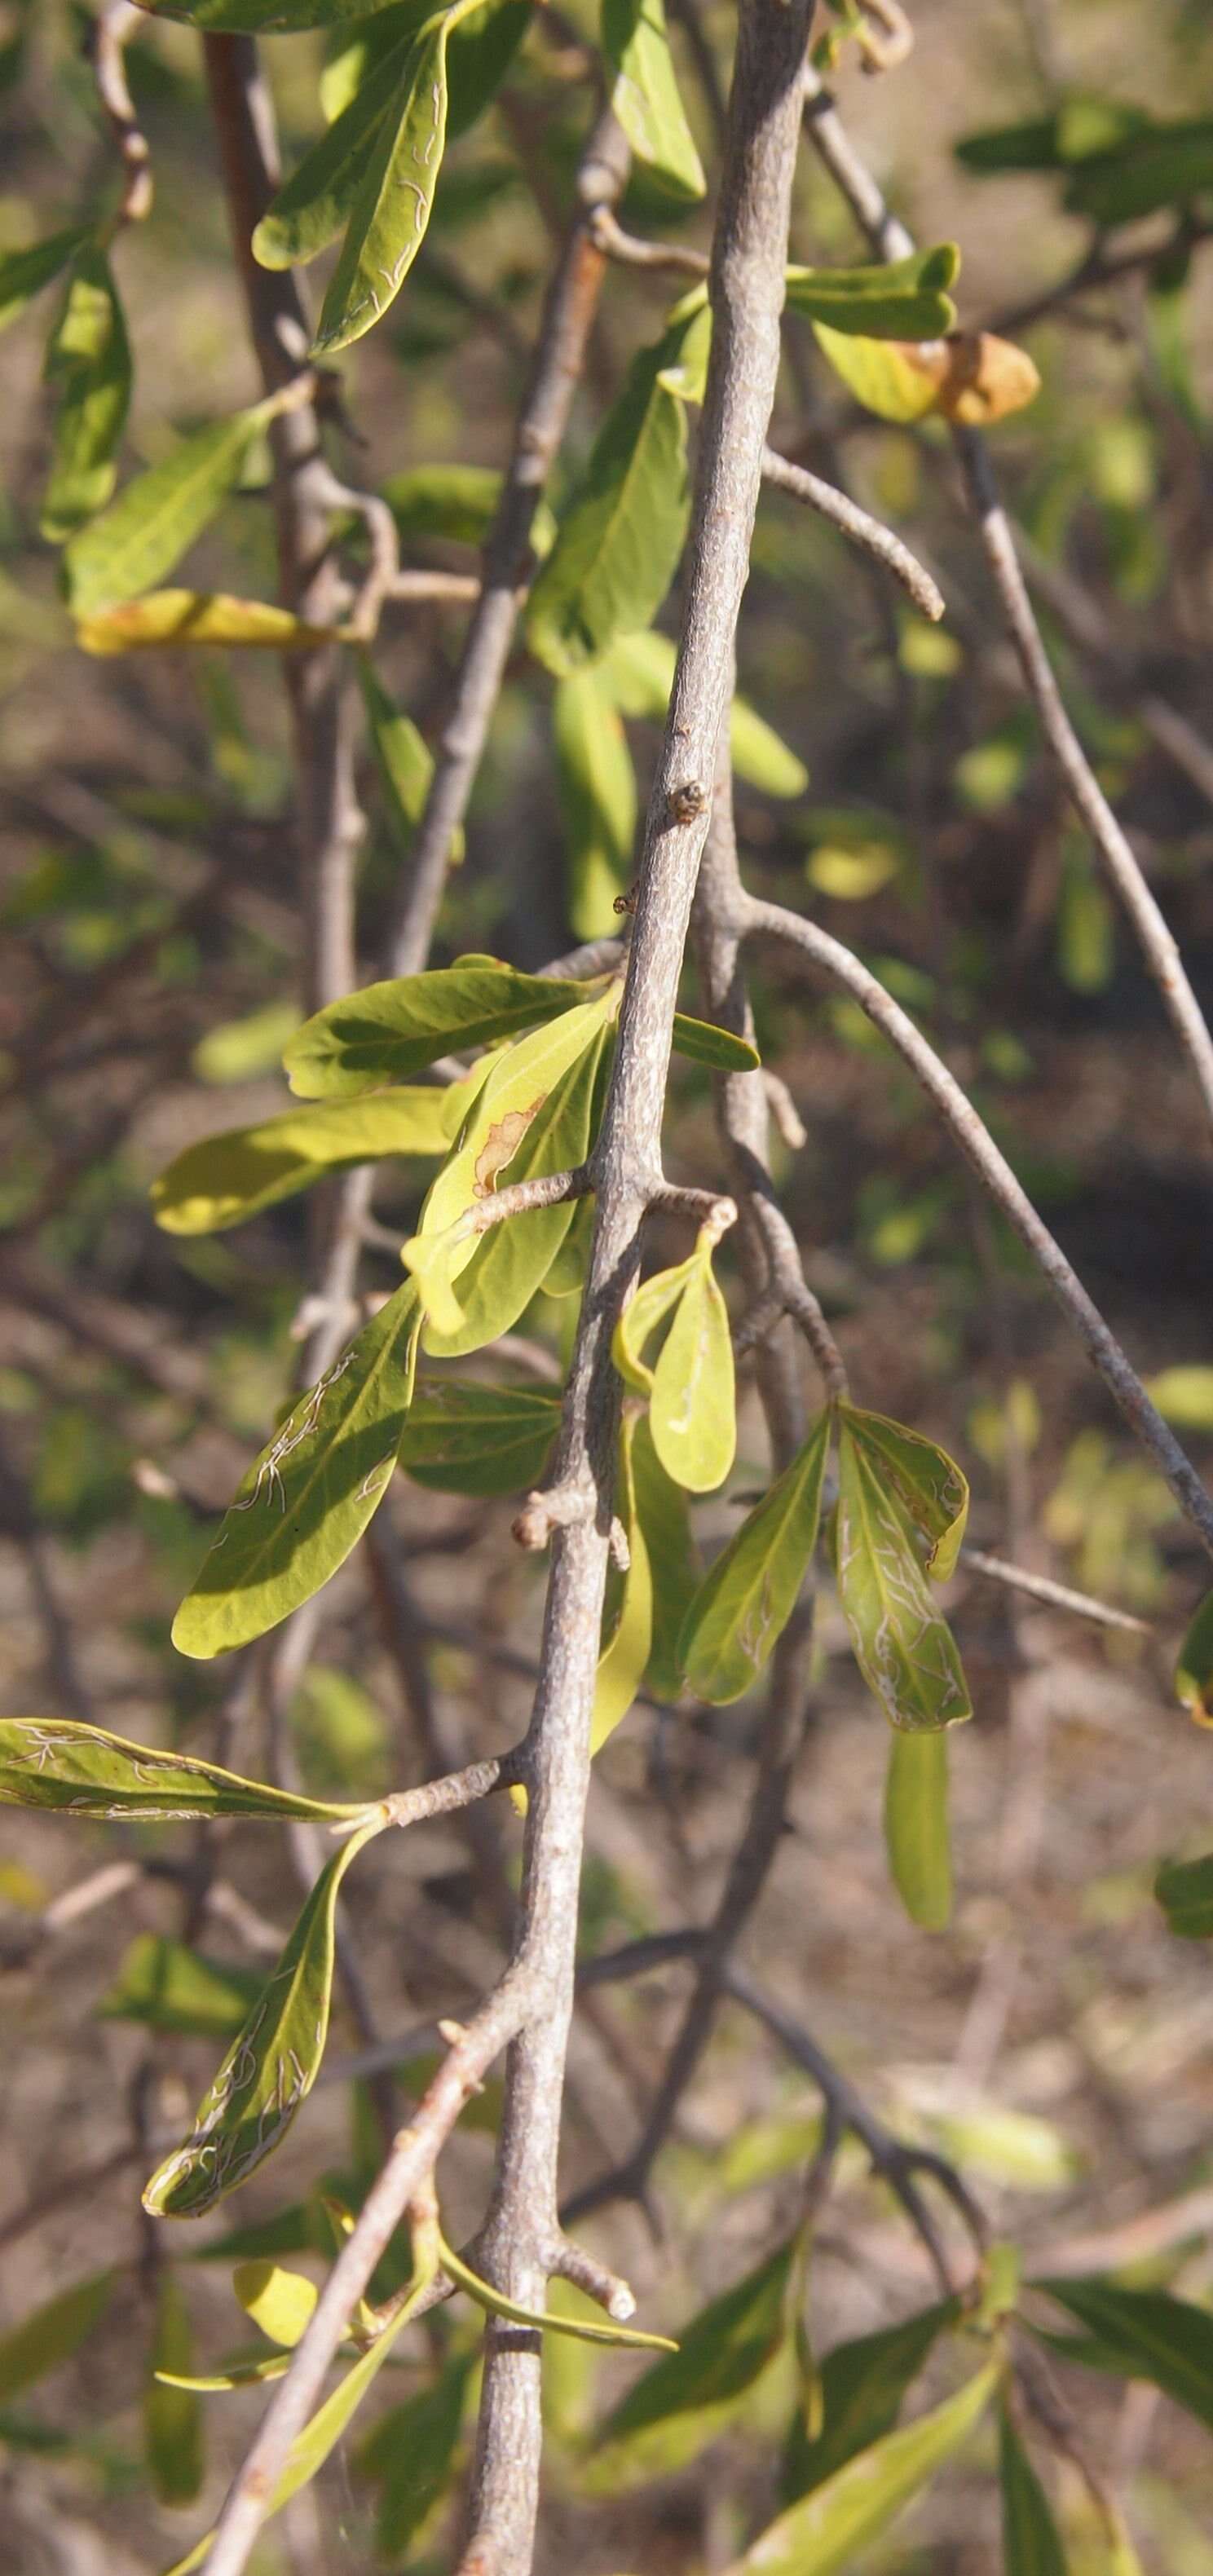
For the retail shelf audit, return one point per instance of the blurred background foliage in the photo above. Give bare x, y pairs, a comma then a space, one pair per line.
1055, 2041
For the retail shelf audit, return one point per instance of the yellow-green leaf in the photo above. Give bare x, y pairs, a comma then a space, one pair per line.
640, 1320
319, 197
970, 376
388, 1031
270, 2067
280, 2302
903, 1648
158, 515
645, 93
467, 1439
597, 788
307, 1500
196, 618
520, 1081
863, 2384
902, 299
89, 360
692, 1411
750, 1592
391, 210
24, 273
638, 671
665, 1528
405, 763
827, 2529
57, 1762
916, 1827
226, 1179
931, 1488
172, 2417
622, 1662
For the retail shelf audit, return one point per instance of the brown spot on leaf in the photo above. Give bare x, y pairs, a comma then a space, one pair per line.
500, 1146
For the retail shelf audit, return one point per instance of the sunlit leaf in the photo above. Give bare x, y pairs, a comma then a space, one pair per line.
58, 1762
548, 2321
638, 672
52, 2334
312, 206
196, 618
665, 1528
168, 1986
391, 209
929, 1485
597, 787
827, 2528
24, 273
692, 1410
1147, 2334
270, 2067
501, 1271
226, 1179
1031, 2543
903, 1647
704, 1043
903, 299
467, 1439
629, 1629
916, 1827
643, 1315
308, 1498
863, 2384
172, 2419
159, 514
681, 2404
645, 93
89, 361
388, 1031
971, 376
260, 17
1194, 1669
1184, 1396
618, 543
750, 1592
279, 2301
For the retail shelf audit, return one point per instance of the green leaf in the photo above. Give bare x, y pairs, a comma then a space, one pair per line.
1148, 2335
1159, 165
56, 1762
827, 2528
270, 2067
167, 1986
681, 2404
158, 515
706, 1044
24, 273
751, 1591
863, 2384
1194, 1670
461, 1438
1080, 126
1184, 1889
280, 2302
903, 1648
412, 2452
618, 543
916, 1827
318, 199
172, 2418
479, 51
1031, 2543
404, 762
388, 1031
226, 1179
260, 17
904, 299
692, 1410
596, 783
500, 1272
665, 1528
195, 618
640, 1319
241, 2374
645, 93
391, 210
307, 1500
89, 359
52, 2334
457, 502
638, 672
932, 1491
312, 2447
625, 1655
545, 2320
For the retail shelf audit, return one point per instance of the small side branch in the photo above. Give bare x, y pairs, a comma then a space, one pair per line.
862, 529
111, 34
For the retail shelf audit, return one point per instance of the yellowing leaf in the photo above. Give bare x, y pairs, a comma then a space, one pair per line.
270, 2067
970, 376
692, 1411
750, 1592
197, 617
280, 2302
640, 1319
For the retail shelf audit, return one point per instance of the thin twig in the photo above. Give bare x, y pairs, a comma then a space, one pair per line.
110, 35
859, 525
1058, 1596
